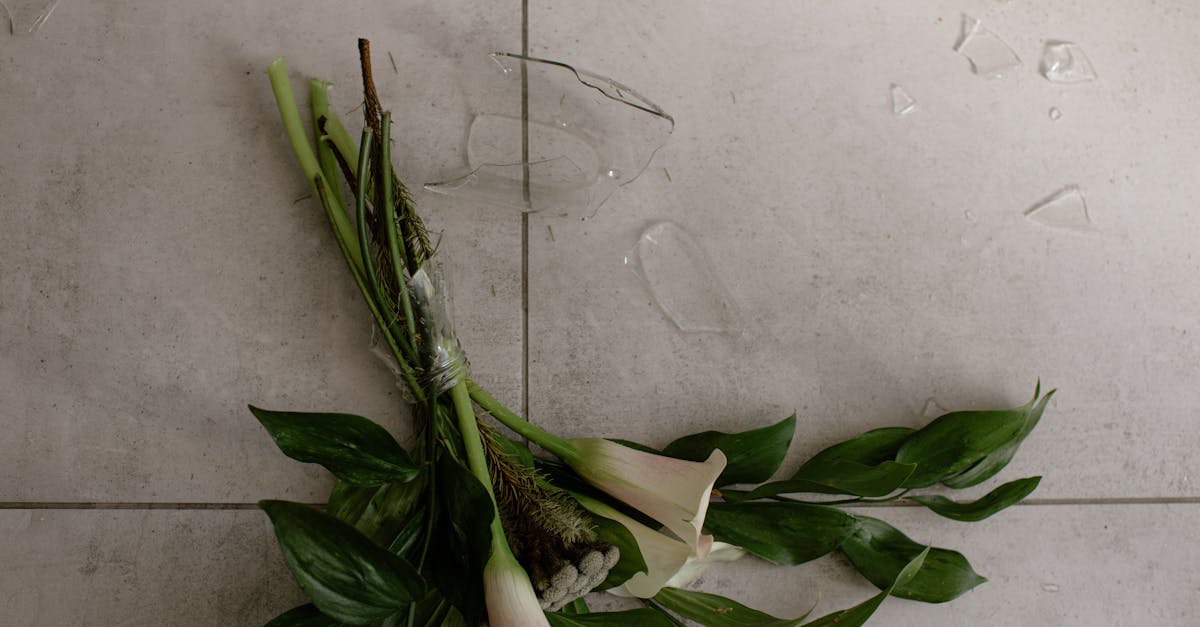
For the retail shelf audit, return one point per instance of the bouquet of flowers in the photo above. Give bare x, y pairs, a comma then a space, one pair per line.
468, 524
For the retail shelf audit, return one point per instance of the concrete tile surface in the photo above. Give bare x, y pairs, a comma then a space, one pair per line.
144, 568
881, 261
160, 269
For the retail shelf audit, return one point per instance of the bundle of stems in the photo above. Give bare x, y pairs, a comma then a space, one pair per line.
470, 525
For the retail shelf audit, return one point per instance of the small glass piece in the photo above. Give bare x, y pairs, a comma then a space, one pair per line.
1055, 114
902, 103
1050, 587
990, 57
1066, 209
587, 136
1065, 62
932, 410
683, 282
26, 16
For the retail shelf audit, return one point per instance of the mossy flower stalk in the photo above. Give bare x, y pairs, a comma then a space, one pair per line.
672, 491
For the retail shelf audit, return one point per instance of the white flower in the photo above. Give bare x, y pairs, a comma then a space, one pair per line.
511, 601
664, 555
672, 491
695, 566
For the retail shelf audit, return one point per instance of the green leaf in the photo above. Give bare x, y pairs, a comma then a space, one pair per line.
347, 502
462, 540
631, 561
837, 477
995, 461
644, 617
955, 441
303, 616
880, 551
860, 466
996, 500
751, 456
346, 576
783, 533
859, 614
716, 611
353, 448
870, 448
390, 510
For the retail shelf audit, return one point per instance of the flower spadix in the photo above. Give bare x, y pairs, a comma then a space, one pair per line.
510, 599
672, 491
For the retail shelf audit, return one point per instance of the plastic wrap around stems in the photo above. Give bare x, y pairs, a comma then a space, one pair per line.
445, 363
565, 146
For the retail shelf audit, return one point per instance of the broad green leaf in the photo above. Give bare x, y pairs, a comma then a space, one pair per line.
859, 614
716, 611
353, 448
348, 502
644, 617
880, 551
751, 456
392, 507
870, 448
783, 533
462, 540
996, 500
995, 461
955, 441
836, 477
631, 562
303, 616
346, 576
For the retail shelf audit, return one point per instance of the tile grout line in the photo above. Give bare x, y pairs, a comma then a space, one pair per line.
177, 506
201, 506
525, 193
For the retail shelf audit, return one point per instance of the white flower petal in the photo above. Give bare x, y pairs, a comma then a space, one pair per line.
695, 566
511, 601
672, 491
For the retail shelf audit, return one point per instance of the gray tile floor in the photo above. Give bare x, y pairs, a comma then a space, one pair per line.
159, 271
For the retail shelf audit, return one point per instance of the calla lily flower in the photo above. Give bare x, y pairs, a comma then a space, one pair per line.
510, 599
664, 555
672, 491
695, 566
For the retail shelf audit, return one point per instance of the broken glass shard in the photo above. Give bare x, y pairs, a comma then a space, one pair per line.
683, 281
26, 16
1065, 62
1066, 209
902, 103
990, 57
578, 137
931, 410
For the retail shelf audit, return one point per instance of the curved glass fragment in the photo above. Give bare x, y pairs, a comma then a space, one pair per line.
26, 16
683, 281
566, 146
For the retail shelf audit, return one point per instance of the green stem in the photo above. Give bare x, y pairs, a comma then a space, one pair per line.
477, 463
360, 206
281, 85
389, 213
318, 95
559, 447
